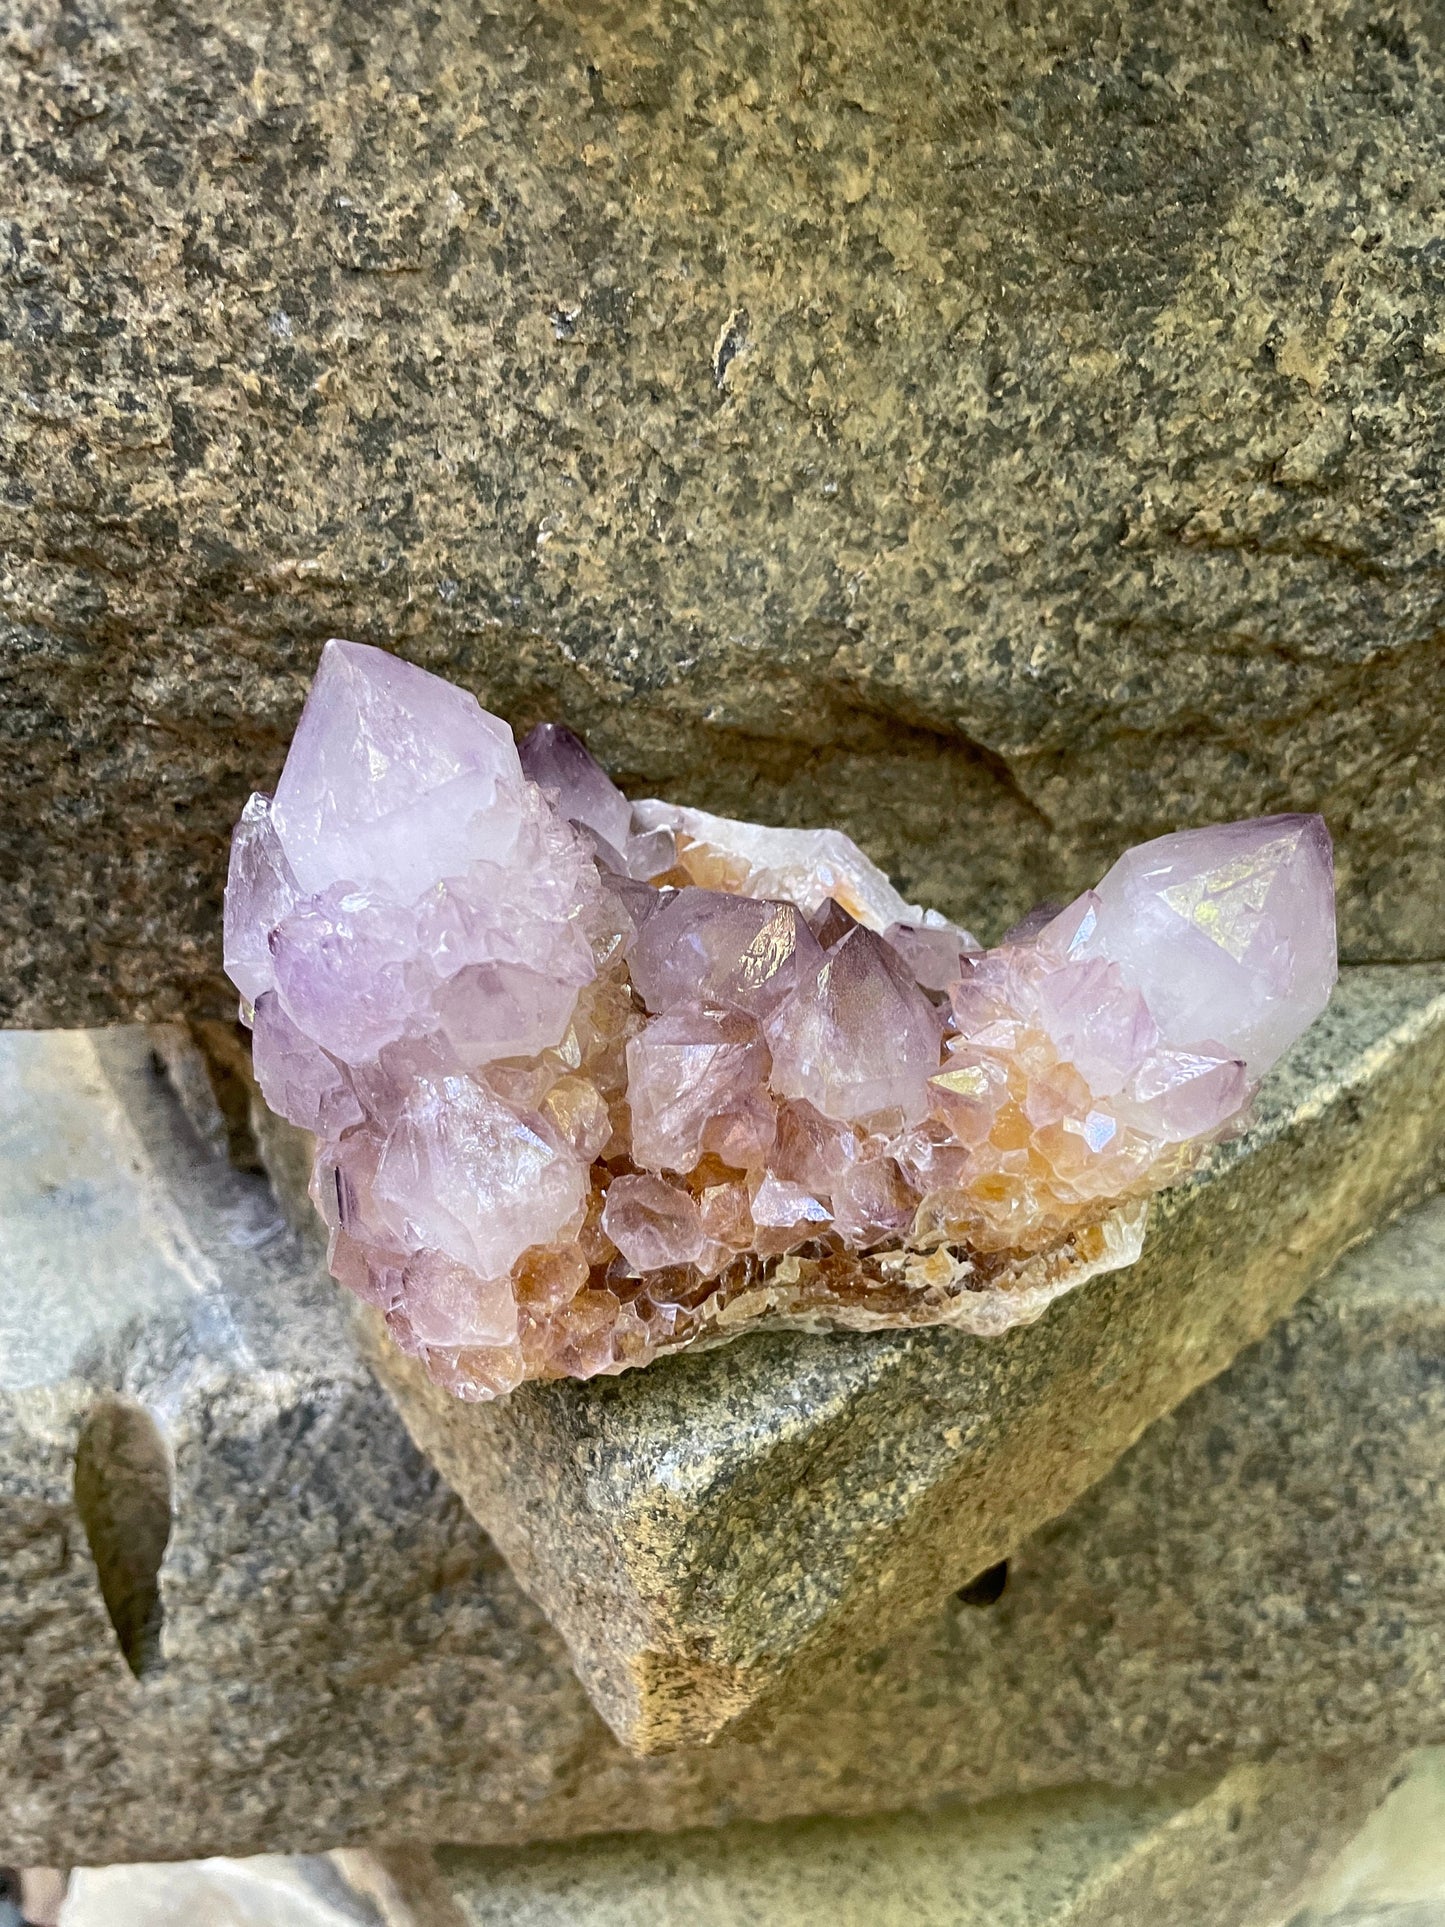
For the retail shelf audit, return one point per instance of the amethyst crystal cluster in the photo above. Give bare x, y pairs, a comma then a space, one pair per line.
594, 1080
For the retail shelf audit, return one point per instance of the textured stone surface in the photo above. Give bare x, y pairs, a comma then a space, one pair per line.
319, 1589
344, 1657
1226, 1852
1004, 432
1392, 1874
1190, 1848
711, 1532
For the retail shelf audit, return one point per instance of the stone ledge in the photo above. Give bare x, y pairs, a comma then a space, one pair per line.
1231, 1851
1195, 1848
710, 1533
343, 1657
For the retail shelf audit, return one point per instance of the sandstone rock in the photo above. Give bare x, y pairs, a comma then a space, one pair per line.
341, 1655
711, 1532
1219, 1852
1004, 433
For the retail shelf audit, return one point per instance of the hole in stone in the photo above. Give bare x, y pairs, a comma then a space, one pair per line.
986, 1588
123, 1496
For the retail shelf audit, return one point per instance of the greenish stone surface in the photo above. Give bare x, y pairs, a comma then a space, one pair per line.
1225, 1852
713, 1533
1006, 431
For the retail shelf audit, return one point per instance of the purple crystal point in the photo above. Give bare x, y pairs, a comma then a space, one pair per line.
297, 1078
707, 947
449, 1306
592, 1083
785, 1215
394, 779
830, 923
858, 1036
1229, 932
933, 952
1177, 1096
697, 1078
559, 762
464, 1174
342, 960
260, 889
1097, 1020
653, 1224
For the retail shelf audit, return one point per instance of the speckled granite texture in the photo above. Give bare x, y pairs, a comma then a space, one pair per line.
1006, 431
1231, 1851
342, 1655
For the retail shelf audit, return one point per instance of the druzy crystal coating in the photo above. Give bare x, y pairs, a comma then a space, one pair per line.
593, 1081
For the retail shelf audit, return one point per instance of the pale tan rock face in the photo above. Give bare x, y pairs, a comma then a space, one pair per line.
1005, 434
1230, 1849
1226, 1851
344, 1656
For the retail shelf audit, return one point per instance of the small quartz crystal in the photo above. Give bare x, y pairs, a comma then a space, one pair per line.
592, 1081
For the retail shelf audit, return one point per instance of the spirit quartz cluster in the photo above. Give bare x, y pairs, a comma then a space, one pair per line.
593, 1080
